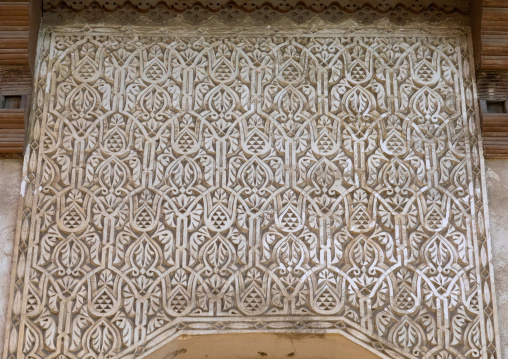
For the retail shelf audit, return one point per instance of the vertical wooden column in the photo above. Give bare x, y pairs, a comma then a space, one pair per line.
489, 23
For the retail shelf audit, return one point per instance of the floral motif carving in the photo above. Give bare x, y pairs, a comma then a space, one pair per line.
192, 184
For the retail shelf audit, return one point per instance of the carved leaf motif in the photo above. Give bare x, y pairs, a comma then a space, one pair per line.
125, 325
460, 241
458, 322
430, 328
268, 240
53, 302
241, 242
48, 242
312, 241
48, 323
195, 217
382, 321
64, 162
195, 241
407, 336
166, 238
30, 340
101, 339
78, 324
71, 255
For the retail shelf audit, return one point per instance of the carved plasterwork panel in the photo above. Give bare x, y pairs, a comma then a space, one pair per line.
297, 182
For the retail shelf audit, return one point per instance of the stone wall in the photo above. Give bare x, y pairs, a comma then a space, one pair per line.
279, 180
10, 183
497, 185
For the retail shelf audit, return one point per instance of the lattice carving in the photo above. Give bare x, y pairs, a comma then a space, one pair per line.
292, 182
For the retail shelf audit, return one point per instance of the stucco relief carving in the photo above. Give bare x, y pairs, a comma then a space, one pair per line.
297, 182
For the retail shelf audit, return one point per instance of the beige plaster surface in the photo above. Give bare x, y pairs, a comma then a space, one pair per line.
10, 179
497, 186
262, 346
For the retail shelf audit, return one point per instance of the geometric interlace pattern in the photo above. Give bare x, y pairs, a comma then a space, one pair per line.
293, 182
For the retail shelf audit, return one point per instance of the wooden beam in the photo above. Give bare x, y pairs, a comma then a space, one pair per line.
19, 28
476, 29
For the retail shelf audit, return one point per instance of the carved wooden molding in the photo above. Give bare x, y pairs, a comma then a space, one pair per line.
186, 182
262, 11
382, 6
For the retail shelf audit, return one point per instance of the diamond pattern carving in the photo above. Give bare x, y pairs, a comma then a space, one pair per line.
291, 182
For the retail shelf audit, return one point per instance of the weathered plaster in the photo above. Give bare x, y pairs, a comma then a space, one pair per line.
263, 346
497, 185
10, 179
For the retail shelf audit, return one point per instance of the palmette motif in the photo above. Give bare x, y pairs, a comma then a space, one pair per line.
213, 184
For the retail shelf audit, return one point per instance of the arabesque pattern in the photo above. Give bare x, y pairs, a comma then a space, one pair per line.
194, 184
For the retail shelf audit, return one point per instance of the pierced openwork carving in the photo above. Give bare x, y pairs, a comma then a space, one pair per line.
304, 182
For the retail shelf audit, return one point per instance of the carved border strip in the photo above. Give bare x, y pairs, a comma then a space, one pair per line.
230, 12
383, 6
